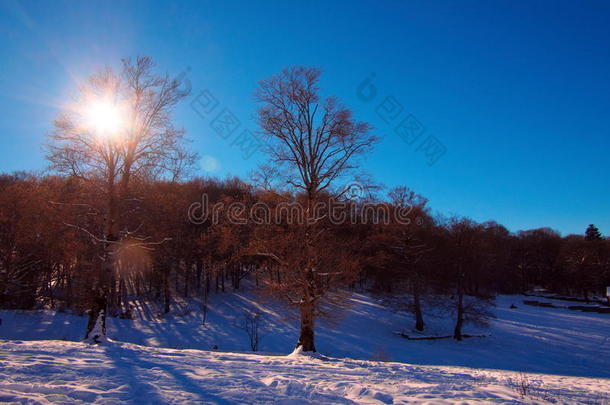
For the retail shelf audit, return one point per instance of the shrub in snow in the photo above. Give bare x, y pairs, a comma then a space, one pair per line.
127, 313
252, 325
381, 355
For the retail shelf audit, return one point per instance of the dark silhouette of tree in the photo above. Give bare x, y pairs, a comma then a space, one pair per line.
592, 233
145, 146
313, 143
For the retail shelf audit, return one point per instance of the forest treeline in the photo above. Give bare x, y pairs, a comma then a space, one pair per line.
49, 255
119, 219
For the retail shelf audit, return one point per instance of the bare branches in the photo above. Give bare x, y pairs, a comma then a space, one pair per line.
316, 142
271, 256
125, 243
148, 146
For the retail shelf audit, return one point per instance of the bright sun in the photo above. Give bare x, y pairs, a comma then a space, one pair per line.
104, 118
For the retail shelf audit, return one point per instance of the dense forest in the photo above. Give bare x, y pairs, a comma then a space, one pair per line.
50, 257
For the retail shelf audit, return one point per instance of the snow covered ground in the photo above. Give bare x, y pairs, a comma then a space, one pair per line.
72, 372
547, 350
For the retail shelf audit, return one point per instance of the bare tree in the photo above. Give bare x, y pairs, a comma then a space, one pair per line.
467, 251
312, 143
120, 128
409, 245
252, 325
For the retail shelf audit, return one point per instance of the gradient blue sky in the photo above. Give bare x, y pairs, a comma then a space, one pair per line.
518, 92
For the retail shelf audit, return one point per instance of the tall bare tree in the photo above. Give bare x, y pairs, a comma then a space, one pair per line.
119, 128
311, 143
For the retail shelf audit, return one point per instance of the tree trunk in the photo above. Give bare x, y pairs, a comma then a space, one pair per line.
206, 276
306, 338
419, 318
186, 280
222, 280
68, 291
97, 317
100, 303
177, 281
50, 287
166, 291
199, 270
457, 334
113, 300
523, 269
204, 299
120, 293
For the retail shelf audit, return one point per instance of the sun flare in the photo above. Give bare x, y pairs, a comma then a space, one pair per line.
105, 118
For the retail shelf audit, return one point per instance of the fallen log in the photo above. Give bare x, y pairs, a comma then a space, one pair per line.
540, 304
599, 310
571, 299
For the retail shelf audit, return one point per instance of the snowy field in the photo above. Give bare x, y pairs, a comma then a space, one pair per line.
554, 355
70, 372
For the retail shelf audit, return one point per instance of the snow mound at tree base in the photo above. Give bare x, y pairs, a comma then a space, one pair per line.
298, 351
75, 372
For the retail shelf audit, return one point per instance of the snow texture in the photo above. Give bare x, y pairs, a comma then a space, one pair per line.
72, 372
533, 355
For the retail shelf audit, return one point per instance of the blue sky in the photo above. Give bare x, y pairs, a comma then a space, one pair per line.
517, 92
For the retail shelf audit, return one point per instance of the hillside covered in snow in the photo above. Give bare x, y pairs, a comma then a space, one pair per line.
528, 354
